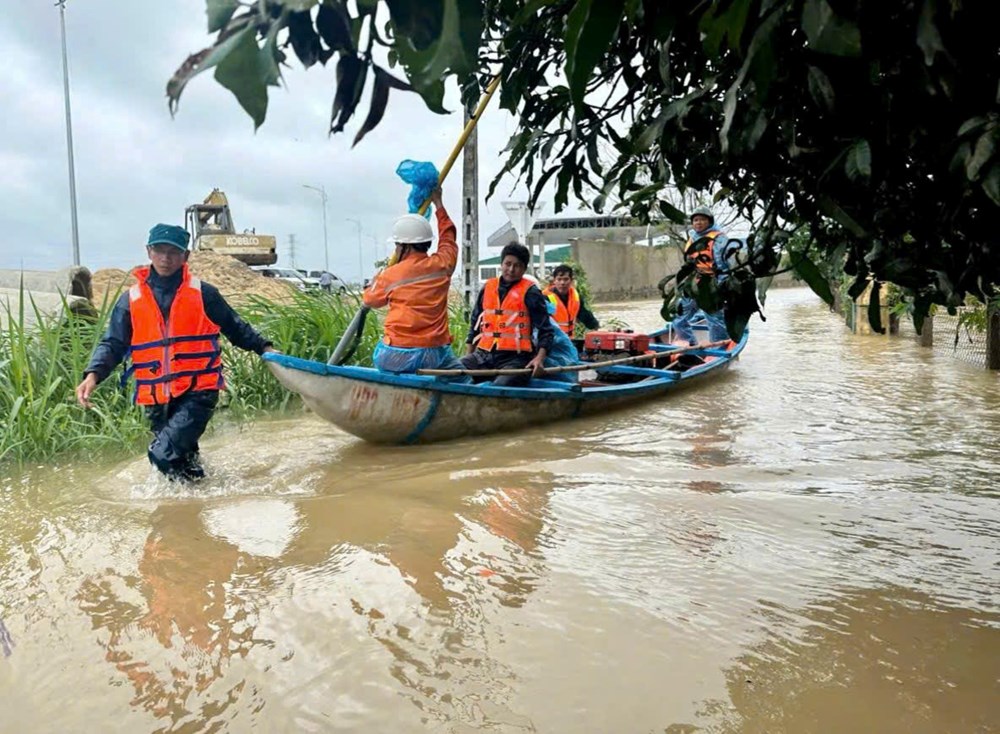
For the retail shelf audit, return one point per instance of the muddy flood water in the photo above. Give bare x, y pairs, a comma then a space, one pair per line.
809, 544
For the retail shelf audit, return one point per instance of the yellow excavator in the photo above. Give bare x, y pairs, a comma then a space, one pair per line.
211, 226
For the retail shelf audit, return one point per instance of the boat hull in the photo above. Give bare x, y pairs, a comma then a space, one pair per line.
403, 409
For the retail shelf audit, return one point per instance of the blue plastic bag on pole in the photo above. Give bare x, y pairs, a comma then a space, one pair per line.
423, 179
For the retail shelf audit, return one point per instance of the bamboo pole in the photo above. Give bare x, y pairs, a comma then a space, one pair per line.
469, 126
574, 367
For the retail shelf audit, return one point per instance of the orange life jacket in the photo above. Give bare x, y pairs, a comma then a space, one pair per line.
703, 259
505, 326
566, 313
170, 358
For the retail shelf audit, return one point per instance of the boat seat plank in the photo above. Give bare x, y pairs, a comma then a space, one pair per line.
654, 347
638, 371
537, 382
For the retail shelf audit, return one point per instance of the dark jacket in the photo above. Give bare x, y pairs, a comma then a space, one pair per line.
538, 311
116, 341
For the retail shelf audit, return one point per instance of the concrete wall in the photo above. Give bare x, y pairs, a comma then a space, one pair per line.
43, 293
624, 272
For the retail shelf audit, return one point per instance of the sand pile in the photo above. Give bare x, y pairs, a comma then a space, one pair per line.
234, 279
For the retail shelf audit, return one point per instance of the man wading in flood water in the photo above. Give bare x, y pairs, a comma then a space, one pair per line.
168, 325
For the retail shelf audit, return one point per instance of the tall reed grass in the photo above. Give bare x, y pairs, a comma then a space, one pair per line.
41, 364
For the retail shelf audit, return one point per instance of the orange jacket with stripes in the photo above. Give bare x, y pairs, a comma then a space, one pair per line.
505, 326
416, 291
170, 358
566, 313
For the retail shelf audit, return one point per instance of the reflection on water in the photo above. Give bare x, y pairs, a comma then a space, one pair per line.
809, 544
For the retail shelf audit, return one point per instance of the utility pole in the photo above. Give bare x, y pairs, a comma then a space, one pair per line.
61, 4
321, 190
470, 217
291, 249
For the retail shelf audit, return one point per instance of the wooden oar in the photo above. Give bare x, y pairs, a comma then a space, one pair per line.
347, 344
574, 367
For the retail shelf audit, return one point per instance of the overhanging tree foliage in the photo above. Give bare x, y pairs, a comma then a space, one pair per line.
874, 123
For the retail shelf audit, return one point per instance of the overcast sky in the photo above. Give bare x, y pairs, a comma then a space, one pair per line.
135, 166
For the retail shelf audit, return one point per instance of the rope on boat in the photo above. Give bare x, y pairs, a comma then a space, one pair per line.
576, 367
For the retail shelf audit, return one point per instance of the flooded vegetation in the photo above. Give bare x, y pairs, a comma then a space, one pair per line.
41, 365
808, 544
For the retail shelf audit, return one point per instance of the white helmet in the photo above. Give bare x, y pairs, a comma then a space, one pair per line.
412, 229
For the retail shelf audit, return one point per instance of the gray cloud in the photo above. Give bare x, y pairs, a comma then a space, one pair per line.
136, 166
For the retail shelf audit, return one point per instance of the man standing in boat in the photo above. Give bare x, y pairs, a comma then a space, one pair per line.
168, 325
416, 290
568, 302
705, 248
509, 310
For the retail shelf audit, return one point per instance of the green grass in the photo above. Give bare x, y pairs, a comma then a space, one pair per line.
40, 367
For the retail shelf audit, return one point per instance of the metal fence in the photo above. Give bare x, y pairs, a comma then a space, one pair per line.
957, 336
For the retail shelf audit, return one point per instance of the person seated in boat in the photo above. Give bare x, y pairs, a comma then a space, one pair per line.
416, 290
510, 323
562, 353
705, 249
568, 303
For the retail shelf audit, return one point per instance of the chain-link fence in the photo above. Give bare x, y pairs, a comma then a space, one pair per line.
962, 336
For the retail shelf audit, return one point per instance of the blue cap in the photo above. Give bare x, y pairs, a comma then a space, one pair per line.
169, 234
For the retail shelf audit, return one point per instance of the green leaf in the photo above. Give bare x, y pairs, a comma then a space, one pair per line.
859, 286
671, 212
973, 123
453, 50
981, 154
814, 278
829, 33
634, 11
380, 98
991, 183
304, 38
334, 26
928, 37
651, 134
243, 74
351, 74
205, 59
875, 308
664, 65
833, 210
529, 11
859, 161
820, 89
566, 171
590, 28
219, 12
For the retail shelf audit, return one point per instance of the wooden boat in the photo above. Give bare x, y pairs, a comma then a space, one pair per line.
388, 408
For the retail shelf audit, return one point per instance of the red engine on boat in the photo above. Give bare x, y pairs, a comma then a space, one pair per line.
616, 342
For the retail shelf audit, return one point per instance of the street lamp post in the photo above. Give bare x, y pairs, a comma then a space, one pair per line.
361, 263
321, 190
61, 4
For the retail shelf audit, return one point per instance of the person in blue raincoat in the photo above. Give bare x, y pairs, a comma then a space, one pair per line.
706, 250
